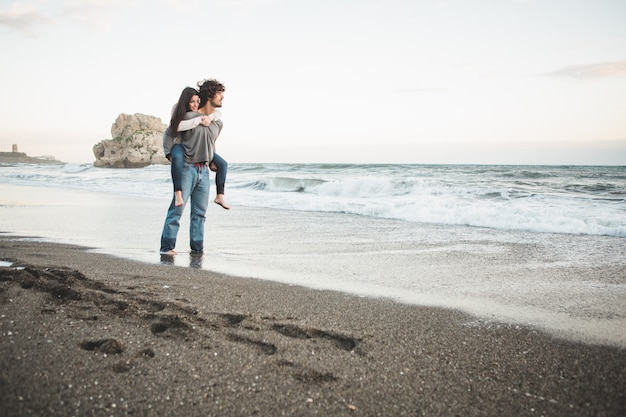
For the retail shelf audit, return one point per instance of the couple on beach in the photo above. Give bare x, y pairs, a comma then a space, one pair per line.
189, 142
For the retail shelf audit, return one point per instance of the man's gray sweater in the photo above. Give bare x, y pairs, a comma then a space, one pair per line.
199, 142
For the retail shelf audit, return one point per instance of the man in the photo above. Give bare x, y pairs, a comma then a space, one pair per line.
199, 144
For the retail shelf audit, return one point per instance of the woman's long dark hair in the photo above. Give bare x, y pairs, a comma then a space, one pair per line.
181, 108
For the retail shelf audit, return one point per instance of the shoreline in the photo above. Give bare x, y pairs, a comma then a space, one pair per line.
84, 332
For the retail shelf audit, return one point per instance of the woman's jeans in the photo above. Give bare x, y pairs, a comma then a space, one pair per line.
177, 156
220, 174
195, 186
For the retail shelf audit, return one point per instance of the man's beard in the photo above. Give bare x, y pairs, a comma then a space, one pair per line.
214, 104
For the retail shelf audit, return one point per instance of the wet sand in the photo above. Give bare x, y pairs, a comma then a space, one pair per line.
89, 334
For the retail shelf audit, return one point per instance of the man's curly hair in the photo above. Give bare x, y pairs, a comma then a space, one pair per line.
208, 89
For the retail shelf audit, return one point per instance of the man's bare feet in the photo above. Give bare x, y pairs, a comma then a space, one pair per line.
219, 200
178, 197
170, 252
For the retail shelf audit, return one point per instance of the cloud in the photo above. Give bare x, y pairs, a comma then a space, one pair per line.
180, 6
93, 13
30, 19
603, 70
24, 19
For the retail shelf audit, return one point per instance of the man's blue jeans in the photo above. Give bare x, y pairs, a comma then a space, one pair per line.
195, 186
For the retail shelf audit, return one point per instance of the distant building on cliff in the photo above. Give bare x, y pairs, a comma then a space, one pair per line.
16, 157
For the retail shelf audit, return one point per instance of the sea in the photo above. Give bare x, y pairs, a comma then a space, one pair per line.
524, 245
588, 200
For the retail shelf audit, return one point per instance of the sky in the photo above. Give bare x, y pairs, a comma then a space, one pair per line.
329, 81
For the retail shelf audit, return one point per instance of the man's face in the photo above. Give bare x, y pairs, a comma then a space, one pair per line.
216, 101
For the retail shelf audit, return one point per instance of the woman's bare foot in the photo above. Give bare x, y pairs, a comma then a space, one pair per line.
178, 197
219, 200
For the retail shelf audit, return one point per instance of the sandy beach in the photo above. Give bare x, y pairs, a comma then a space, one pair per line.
300, 313
90, 334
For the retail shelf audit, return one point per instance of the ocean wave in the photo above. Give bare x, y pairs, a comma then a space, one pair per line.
583, 200
292, 184
74, 168
528, 175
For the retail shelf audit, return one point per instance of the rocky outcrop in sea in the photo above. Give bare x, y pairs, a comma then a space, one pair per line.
137, 141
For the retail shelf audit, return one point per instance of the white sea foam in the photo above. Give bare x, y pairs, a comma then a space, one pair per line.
579, 200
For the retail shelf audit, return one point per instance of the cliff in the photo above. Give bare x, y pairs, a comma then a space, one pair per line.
137, 141
9, 158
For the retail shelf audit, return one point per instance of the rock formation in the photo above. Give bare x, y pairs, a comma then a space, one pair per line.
137, 142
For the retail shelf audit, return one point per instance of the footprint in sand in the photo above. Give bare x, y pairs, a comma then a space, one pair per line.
108, 346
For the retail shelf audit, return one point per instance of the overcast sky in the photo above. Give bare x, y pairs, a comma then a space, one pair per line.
401, 81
